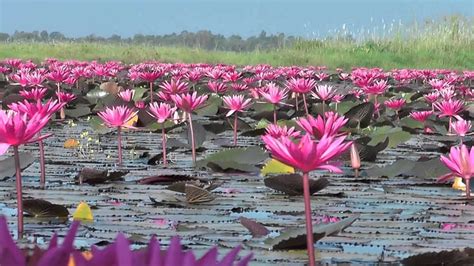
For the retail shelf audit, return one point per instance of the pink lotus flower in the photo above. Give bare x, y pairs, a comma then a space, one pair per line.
307, 155
140, 105
17, 129
431, 97
34, 94
239, 87
30, 109
161, 111
236, 103
322, 76
461, 163
449, 107
175, 86
300, 85
324, 93
461, 127
272, 94
277, 131
420, 116
46, 110
377, 88
188, 103
127, 95
118, 116
395, 104
216, 87
65, 97
318, 127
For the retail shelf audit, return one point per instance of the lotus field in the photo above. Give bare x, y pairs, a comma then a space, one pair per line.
198, 164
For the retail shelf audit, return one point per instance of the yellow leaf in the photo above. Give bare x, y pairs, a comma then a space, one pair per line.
71, 144
132, 121
83, 213
458, 184
276, 167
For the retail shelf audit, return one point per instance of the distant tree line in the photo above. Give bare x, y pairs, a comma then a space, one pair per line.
203, 39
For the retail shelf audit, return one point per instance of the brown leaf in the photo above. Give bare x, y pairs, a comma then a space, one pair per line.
255, 228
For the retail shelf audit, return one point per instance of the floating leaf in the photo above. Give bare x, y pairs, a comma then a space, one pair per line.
98, 125
422, 169
295, 238
256, 229
71, 144
239, 159
196, 194
360, 115
276, 167
463, 256
211, 106
45, 210
397, 168
79, 111
180, 186
395, 134
139, 92
92, 176
83, 212
159, 179
293, 184
7, 166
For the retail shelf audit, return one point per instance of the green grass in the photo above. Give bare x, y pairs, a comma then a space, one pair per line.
445, 44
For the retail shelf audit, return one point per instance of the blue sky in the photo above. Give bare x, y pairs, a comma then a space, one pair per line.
244, 17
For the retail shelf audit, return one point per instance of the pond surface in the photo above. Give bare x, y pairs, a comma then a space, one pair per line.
399, 216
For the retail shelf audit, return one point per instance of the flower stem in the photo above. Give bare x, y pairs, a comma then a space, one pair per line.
62, 113
119, 140
449, 128
296, 101
151, 91
163, 140
19, 196
235, 129
356, 172
193, 144
274, 114
42, 165
309, 221
468, 188
305, 105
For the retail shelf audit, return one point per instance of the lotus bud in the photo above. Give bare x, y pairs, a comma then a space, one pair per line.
355, 159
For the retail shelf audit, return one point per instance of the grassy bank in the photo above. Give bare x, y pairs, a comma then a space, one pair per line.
445, 44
